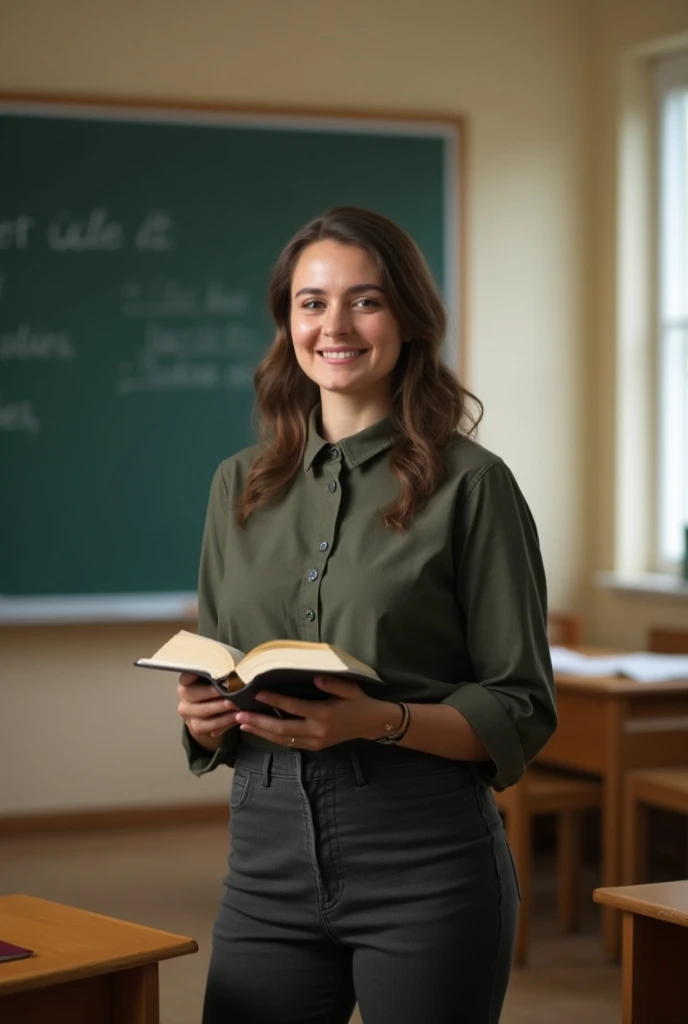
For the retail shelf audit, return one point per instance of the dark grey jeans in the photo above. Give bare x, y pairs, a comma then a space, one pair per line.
366, 873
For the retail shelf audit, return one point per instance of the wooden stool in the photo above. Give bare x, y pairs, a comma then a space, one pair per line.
648, 787
547, 792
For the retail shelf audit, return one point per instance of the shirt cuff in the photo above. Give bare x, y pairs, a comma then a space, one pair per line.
202, 760
483, 711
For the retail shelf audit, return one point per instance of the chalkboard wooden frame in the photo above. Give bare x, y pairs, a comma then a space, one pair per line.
117, 607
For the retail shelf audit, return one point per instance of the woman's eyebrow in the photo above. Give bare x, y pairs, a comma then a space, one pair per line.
353, 290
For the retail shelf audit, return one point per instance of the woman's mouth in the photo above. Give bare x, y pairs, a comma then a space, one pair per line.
340, 355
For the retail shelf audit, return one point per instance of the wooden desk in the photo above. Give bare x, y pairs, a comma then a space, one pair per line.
655, 951
86, 969
608, 726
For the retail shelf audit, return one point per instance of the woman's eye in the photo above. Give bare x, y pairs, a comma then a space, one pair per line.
312, 304
368, 303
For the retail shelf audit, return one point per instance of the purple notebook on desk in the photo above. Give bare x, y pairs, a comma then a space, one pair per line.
8, 951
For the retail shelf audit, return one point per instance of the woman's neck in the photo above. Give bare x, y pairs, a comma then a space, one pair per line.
345, 415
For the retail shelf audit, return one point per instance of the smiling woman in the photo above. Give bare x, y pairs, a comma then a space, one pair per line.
346, 337
368, 858
317, 305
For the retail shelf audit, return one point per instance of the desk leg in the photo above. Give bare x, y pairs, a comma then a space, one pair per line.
134, 995
611, 830
655, 954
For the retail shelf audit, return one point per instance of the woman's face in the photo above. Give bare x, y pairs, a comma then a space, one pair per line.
345, 336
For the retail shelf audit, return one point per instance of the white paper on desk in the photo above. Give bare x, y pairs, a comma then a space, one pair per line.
655, 668
641, 666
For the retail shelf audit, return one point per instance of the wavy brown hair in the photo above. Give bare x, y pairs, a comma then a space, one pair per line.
429, 404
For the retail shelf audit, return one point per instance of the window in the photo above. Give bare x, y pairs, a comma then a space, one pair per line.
672, 512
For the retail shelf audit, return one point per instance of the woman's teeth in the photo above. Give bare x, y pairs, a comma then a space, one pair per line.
341, 355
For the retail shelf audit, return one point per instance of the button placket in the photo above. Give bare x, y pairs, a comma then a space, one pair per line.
331, 492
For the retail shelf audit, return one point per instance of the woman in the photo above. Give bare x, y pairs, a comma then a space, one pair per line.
364, 870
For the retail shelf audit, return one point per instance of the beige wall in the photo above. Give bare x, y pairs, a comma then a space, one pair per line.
79, 725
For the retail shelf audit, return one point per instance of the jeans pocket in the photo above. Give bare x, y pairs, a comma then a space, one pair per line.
241, 790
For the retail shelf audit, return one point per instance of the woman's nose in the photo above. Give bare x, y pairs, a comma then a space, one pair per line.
336, 322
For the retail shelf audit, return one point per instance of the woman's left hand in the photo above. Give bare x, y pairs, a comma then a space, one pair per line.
349, 714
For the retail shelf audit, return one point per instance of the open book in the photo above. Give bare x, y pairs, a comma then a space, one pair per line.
282, 666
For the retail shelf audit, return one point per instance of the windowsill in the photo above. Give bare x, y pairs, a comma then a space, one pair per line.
643, 584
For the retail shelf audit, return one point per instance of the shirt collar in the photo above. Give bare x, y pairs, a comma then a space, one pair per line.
356, 449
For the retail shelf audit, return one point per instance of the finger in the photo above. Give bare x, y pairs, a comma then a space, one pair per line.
289, 738
199, 692
220, 732
342, 688
188, 679
292, 705
195, 691
278, 729
212, 726
204, 709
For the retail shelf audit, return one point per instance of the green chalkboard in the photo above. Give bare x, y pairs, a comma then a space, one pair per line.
135, 248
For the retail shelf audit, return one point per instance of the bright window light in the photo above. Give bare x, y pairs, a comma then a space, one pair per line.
672, 511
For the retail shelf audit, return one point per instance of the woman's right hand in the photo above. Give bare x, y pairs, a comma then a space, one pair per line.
207, 715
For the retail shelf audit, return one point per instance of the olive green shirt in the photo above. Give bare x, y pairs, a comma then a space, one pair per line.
451, 611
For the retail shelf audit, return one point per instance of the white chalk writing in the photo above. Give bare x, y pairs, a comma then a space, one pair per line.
14, 234
154, 233
25, 343
203, 340
93, 230
19, 416
179, 375
169, 298
96, 233
161, 296
219, 299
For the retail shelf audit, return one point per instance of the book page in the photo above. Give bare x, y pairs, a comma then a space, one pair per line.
188, 652
302, 655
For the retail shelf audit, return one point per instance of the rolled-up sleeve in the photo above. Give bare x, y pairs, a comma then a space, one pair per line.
502, 592
211, 569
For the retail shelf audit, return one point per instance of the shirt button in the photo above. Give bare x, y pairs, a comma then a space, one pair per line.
309, 615
323, 545
334, 453
313, 575
332, 486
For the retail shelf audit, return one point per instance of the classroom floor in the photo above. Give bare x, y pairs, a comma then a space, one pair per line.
170, 879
